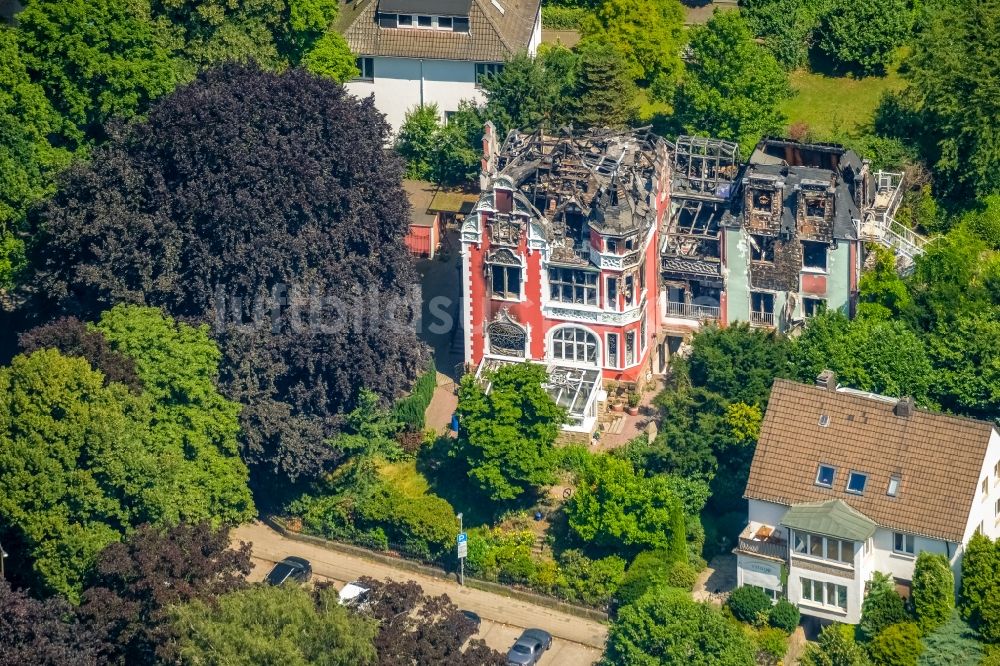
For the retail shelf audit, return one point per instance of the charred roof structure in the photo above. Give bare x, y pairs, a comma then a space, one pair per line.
573, 182
704, 178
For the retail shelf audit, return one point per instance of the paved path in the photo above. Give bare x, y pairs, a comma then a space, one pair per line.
590, 636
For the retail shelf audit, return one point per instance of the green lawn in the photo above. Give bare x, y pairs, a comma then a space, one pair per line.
833, 105
404, 477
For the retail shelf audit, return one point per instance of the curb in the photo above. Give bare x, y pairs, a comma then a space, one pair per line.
399, 563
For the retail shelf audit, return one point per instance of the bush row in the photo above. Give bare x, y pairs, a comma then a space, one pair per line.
410, 410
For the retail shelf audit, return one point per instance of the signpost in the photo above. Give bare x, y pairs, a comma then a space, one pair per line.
462, 544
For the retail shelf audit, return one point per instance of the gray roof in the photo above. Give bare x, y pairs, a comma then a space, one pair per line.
494, 35
833, 518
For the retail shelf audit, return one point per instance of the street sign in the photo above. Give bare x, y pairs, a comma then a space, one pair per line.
463, 545
462, 537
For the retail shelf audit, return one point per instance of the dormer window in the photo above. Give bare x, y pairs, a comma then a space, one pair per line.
893, 489
762, 200
856, 482
824, 476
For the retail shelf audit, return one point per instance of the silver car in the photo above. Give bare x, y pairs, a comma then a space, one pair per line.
529, 647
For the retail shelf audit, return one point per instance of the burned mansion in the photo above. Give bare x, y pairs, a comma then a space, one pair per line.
596, 253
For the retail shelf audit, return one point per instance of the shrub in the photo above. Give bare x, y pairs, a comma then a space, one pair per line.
980, 575
933, 591
784, 615
953, 644
591, 581
772, 644
649, 568
563, 18
749, 604
411, 409
682, 575
897, 645
882, 607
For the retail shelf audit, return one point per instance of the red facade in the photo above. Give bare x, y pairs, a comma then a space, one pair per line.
560, 257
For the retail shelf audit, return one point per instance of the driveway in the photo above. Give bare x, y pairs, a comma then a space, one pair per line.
577, 641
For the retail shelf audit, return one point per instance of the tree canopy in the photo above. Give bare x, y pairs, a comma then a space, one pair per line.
956, 94
615, 506
46, 631
732, 87
273, 626
85, 460
864, 36
265, 205
666, 627
133, 584
507, 433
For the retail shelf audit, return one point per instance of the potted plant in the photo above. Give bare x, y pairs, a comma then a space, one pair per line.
616, 405
633, 403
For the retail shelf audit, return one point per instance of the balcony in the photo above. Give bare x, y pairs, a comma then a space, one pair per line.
762, 319
616, 261
692, 311
764, 540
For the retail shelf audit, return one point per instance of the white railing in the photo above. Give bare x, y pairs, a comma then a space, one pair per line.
765, 319
692, 310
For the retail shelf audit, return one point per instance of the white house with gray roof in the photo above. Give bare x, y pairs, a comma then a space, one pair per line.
414, 52
845, 483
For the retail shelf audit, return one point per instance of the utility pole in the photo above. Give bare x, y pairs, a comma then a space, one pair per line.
3, 556
462, 546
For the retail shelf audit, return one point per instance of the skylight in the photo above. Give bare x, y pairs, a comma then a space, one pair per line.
824, 476
824, 420
893, 486
856, 482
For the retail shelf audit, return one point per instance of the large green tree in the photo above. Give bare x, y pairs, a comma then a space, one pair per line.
615, 506
881, 608
666, 627
28, 160
603, 94
286, 625
787, 27
980, 582
97, 59
508, 425
193, 428
864, 36
526, 94
836, 647
956, 92
73, 464
732, 86
649, 34
868, 353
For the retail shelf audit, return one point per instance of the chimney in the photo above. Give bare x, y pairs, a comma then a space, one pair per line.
827, 380
904, 408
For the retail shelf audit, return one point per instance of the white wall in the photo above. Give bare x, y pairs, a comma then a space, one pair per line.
399, 82
883, 558
984, 506
536, 34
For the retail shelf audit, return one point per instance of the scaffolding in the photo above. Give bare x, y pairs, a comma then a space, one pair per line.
705, 167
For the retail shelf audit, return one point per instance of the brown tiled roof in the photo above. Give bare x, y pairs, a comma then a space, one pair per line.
420, 194
937, 456
493, 36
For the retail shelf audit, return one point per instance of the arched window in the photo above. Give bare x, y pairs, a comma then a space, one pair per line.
574, 344
506, 338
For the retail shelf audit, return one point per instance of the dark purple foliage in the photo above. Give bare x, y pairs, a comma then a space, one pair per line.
72, 338
236, 184
43, 633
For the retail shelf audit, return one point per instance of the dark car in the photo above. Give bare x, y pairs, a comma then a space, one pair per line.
290, 568
473, 618
529, 647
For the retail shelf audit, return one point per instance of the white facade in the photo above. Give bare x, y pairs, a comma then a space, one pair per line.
400, 84
774, 564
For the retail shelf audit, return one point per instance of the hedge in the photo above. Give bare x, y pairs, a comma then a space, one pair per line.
410, 410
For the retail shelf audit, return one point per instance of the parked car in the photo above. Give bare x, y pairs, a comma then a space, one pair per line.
473, 618
529, 648
290, 568
354, 594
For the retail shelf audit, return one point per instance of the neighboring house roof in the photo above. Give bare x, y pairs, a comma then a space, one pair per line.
420, 193
494, 34
937, 457
453, 201
832, 518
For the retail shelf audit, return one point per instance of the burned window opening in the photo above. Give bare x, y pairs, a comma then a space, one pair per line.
761, 248
815, 207
812, 307
762, 200
814, 255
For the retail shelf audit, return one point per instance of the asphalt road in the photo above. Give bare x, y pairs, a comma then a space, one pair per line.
577, 642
